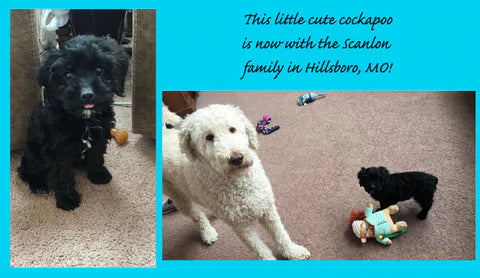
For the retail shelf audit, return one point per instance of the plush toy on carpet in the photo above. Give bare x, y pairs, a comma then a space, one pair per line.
261, 125
389, 189
310, 97
378, 225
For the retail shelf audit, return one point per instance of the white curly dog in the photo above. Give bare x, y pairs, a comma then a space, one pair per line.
212, 162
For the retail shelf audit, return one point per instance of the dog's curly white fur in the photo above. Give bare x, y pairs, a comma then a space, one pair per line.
211, 162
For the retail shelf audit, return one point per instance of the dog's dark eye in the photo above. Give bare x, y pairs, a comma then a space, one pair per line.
68, 75
209, 137
232, 130
98, 71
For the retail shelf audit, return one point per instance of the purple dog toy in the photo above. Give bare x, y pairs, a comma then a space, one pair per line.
261, 125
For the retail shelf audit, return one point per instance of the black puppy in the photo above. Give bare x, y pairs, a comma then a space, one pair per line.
73, 127
389, 189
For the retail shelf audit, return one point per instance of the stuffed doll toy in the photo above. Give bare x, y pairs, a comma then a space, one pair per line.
378, 225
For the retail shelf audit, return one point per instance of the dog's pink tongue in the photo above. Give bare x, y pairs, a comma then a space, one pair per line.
89, 105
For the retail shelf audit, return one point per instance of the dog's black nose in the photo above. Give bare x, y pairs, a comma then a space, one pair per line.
236, 159
87, 94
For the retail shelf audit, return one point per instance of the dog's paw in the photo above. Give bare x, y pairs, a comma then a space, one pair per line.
209, 235
68, 201
99, 176
39, 188
296, 252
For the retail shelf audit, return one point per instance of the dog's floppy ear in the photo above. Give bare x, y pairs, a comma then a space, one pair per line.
186, 145
48, 59
384, 173
250, 130
252, 134
121, 62
361, 173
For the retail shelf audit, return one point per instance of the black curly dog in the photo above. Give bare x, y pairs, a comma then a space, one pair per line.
389, 189
73, 127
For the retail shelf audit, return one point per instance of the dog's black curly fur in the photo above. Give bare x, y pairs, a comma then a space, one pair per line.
73, 127
389, 189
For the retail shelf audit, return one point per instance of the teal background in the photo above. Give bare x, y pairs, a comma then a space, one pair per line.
435, 47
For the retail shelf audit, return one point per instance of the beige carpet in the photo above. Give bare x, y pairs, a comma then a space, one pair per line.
313, 160
115, 223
